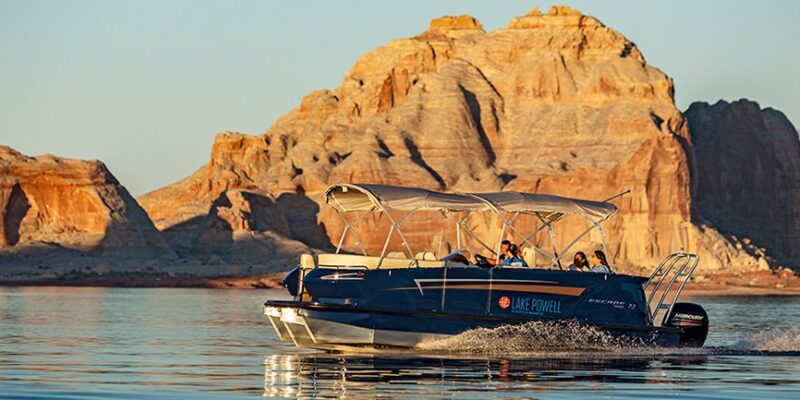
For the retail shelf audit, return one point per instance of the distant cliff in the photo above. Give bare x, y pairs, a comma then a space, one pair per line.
555, 102
71, 211
62, 217
748, 174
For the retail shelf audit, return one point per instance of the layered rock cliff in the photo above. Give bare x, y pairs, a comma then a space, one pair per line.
70, 218
748, 174
56, 207
555, 103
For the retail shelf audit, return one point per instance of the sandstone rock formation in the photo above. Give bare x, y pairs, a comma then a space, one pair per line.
245, 228
70, 208
222, 215
555, 103
748, 174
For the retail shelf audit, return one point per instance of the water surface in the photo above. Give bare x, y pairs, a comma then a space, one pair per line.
88, 343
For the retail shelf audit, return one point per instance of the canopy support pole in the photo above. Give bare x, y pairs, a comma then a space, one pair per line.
403, 221
500, 241
555, 247
458, 229
391, 230
605, 248
386, 242
341, 239
552, 232
385, 246
351, 227
472, 235
346, 225
500, 214
440, 242
400, 232
525, 240
511, 225
539, 229
584, 233
458, 235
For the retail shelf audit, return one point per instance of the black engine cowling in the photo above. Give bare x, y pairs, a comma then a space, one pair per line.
692, 318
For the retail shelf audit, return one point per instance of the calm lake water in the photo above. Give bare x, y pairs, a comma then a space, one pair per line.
89, 343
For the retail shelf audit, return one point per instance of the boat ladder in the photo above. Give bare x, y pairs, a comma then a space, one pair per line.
669, 294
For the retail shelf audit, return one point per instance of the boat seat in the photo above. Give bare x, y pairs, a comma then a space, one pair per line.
307, 261
529, 255
353, 261
425, 255
396, 254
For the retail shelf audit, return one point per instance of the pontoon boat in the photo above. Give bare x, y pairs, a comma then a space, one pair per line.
402, 298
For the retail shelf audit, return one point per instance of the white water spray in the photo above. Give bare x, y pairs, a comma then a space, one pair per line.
574, 338
530, 338
775, 339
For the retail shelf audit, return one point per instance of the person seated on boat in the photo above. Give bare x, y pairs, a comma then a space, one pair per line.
579, 262
494, 262
512, 258
599, 262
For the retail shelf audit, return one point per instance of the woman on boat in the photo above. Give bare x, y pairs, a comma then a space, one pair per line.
599, 262
512, 257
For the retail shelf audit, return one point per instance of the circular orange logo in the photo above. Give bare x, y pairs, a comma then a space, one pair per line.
504, 302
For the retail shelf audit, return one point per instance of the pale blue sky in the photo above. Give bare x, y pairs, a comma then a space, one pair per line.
145, 85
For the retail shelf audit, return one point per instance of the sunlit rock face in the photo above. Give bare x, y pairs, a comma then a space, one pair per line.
53, 203
748, 174
554, 103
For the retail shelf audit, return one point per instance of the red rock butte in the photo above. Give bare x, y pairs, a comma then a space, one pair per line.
554, 103
62, 207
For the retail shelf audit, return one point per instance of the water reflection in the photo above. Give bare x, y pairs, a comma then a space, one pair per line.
315, 375
76, 343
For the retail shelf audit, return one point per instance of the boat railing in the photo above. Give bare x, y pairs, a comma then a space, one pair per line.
675, 269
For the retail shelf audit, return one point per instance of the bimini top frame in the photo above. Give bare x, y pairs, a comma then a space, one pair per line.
383, 198
364, 197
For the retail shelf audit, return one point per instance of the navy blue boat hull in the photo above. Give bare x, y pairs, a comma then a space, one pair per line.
402, 329
401, 307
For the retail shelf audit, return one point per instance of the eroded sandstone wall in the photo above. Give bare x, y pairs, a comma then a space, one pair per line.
748, 175
555, 103
49, 203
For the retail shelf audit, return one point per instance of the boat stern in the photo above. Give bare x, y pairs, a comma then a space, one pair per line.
289, 325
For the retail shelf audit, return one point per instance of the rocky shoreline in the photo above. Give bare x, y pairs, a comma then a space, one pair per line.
157, 281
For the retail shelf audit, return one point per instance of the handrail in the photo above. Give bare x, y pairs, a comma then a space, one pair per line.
688, 262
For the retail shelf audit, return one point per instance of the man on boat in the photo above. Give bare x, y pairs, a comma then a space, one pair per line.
496, 262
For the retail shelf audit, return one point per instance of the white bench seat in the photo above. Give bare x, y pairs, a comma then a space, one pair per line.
369, 262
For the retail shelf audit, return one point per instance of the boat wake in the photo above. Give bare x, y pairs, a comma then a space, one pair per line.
571, 338
531, 337
772, 340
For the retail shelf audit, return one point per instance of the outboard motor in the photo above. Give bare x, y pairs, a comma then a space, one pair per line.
692, 318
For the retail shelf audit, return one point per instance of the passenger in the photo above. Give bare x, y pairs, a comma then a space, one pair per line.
579, 262
599, 262
512, 258
499, 260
